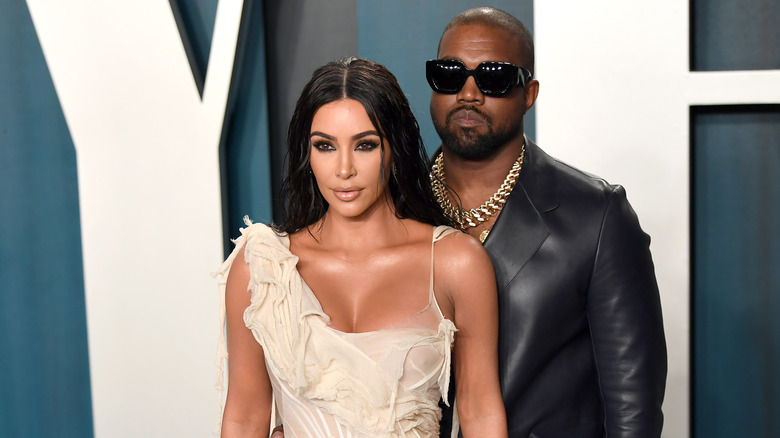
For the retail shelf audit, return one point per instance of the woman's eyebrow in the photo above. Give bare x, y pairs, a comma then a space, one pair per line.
322, 134
365, 134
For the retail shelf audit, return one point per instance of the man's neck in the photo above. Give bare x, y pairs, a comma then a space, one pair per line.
475, 181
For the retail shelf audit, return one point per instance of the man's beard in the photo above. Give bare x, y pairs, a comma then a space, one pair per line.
467, 143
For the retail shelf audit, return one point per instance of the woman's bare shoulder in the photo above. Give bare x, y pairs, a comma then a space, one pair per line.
239, 268
460, 249
461, 262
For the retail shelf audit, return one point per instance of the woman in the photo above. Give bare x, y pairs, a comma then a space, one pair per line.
341, 319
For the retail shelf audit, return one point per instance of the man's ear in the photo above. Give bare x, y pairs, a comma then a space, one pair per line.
531, 92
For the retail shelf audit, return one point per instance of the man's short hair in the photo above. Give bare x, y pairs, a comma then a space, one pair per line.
496, 18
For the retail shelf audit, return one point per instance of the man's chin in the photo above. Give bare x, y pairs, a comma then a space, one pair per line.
467, 143
469, 151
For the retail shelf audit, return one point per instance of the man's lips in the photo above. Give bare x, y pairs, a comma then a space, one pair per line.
467, 117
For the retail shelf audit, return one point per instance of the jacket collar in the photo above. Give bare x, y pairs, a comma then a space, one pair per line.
539, 178
520, 229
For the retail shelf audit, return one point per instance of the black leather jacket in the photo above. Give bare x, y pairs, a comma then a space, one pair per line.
581, 343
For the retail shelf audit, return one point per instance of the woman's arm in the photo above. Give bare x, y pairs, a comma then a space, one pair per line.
248, 405
465, 271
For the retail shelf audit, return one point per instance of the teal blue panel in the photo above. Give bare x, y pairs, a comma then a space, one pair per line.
44, 365
195, 20
729, 35
403, 34
244, 146
736, 278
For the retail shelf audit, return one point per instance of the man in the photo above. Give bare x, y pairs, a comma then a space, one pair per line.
581, 343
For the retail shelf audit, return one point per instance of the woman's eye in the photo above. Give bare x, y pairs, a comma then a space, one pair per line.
367, 145
322, 146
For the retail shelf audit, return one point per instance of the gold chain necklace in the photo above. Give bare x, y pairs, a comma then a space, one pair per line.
466, 219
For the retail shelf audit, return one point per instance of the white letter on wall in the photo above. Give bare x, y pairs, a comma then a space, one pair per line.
149, 188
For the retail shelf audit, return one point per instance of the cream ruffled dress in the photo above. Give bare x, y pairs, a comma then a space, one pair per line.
327, 383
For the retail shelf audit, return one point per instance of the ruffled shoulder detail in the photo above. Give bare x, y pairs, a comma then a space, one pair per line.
259, 242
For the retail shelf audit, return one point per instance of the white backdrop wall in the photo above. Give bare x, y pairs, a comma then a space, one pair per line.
611, 102
614, 100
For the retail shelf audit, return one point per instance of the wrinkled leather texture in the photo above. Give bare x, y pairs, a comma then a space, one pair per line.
581, 343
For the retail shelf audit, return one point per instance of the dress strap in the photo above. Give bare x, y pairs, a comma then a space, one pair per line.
439, 233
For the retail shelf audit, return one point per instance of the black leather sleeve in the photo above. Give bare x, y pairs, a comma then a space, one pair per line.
624, 313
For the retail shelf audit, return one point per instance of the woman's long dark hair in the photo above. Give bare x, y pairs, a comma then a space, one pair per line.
376, 88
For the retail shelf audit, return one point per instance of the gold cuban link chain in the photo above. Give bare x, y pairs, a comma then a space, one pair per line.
471, 218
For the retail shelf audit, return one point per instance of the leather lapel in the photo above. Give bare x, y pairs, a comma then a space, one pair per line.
520, 229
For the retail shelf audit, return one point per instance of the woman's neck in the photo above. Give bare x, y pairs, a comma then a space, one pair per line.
375, 229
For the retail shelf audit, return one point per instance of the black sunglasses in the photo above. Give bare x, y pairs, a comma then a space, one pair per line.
492, 77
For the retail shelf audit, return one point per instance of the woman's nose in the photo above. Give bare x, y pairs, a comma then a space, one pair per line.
346, 167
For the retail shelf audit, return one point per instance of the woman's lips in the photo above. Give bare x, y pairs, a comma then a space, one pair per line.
347, 194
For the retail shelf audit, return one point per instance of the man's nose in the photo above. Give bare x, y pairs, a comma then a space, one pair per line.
470, 92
